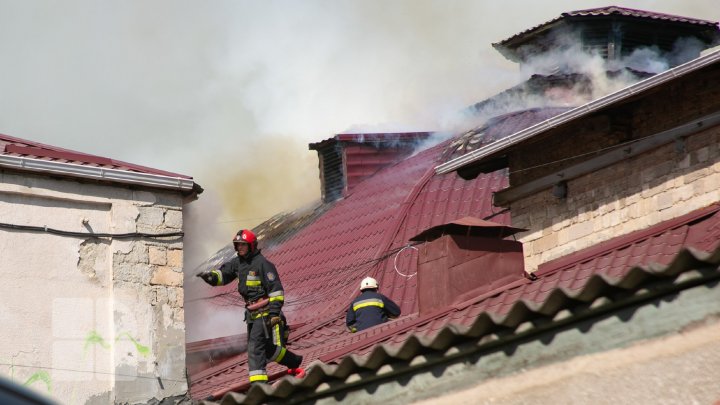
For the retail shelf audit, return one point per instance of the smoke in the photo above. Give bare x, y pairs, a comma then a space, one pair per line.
231, 91
205, 321
568, 75
190, 87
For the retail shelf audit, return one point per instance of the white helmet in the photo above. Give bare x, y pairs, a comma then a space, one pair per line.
368, 282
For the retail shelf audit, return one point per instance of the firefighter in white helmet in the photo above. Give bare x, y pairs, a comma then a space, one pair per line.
370, 308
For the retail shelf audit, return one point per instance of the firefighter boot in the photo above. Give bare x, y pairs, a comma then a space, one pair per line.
297, 372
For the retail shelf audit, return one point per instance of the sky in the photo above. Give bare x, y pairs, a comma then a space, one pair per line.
231, 92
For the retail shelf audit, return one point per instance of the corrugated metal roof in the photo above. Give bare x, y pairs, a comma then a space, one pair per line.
498, 128
369, 137
609, 11
11, 146
675, 253
363, 234
348, 159
368, 234
610, 100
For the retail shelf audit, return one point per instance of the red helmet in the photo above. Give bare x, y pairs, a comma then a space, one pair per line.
246, 236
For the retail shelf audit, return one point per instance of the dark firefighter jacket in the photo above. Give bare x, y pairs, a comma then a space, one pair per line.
370, 308
257, 279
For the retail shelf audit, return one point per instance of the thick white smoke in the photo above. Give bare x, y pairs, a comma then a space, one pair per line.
231, 91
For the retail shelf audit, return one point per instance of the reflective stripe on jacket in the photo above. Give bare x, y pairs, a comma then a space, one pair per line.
257, 278
370, 308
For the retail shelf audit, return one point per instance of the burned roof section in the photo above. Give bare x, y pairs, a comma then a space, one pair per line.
495, 129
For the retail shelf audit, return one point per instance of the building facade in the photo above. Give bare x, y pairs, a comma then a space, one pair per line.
91, 269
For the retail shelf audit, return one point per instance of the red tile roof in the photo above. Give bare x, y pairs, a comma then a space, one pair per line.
497, 128
11, 146
613, 10
382, 138
663, 252
366, 233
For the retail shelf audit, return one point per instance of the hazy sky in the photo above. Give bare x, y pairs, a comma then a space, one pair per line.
231, 92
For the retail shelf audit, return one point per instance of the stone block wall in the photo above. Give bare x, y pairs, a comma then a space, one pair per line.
91, 320
156, 285
628, 196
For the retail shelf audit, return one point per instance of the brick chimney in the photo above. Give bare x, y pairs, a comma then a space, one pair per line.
347, 159
465, 258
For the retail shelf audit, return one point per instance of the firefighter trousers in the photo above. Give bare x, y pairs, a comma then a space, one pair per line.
267, 343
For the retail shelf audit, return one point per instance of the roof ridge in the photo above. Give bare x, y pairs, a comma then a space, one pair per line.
636, 12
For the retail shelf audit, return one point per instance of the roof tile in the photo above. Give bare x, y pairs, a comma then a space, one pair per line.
11, 146
321, 270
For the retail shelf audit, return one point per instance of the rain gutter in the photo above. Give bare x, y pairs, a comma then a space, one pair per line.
578, 112
97, 173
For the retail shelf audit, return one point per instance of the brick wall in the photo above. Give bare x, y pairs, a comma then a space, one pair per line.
628, 196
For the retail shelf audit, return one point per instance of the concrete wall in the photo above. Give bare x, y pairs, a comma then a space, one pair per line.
630, 195
91, 320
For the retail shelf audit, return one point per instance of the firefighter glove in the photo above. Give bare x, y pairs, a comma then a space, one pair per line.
207, 276
274, 320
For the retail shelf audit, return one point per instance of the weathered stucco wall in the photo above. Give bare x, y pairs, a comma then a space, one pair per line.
630, 195
91, 320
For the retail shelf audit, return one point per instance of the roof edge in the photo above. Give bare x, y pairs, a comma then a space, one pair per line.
97, 173
666, 279
579, 112
372, 137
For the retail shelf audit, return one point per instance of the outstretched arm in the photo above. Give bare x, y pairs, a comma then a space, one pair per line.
222, 276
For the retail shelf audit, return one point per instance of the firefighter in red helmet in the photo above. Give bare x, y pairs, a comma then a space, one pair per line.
259, 285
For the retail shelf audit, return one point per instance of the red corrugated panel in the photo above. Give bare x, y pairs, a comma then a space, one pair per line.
610, 10
324, 263
362, 161
12, 146
361, 235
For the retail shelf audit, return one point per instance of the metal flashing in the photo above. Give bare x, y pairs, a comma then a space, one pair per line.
96, 173
620, 152
581, 111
